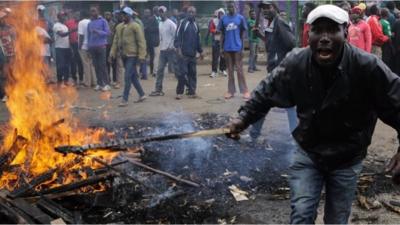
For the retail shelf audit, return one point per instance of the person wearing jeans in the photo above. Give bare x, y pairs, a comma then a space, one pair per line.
336, 120
167, 30
98, 32
129, 42
279, 40
306, 182
62, 48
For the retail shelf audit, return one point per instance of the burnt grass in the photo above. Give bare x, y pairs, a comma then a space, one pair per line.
213, 162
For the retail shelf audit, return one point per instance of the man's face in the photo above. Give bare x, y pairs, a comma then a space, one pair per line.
326, 39
162, 14
355, 17
231, 8
191, 12
94, 13
269, 12
253, 15
220, 14
108, 16
125, 17
175, 13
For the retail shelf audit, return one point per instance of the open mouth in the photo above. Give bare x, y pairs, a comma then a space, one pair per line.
325, 54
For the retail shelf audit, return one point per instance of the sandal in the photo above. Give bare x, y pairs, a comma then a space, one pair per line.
156, 93
229, 96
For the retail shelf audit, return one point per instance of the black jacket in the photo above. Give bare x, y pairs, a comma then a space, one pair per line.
335, 125
278, 42
188, 38
151, 31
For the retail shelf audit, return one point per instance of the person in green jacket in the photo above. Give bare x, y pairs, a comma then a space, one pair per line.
253, 42
129, 41
387, 47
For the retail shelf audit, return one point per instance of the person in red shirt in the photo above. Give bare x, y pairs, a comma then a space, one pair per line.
76, 61
359, 31
307, 8
378, 38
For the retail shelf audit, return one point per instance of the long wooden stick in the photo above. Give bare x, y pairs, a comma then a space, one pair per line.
118, 144
188, 182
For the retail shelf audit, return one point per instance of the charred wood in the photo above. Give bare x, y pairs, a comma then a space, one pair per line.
55, 210
18, 144
28, 188
38, 215
79, 184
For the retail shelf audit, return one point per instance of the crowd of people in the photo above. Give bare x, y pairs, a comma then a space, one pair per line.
108, 50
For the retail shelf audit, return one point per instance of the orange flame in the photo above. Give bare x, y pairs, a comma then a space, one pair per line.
34, 107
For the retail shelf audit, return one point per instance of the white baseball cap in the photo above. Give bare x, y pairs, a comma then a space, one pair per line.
41, 7
128, 11
328, 11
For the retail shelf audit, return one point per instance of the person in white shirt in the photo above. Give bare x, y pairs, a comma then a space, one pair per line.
167, 30
62, 47
45, 50
89, 76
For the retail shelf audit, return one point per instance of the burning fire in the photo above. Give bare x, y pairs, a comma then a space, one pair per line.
35, 109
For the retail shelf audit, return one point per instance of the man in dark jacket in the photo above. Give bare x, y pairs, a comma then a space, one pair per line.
339, 92
188, 44
279, 40
152, 36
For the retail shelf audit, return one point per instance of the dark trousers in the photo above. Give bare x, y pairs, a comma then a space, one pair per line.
111, 66
63, 59
151, 53
387, 54
187, 75
131, 77
76, 63
217, 58
99, 60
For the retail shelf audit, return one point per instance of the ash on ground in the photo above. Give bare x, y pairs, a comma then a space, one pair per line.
214, 162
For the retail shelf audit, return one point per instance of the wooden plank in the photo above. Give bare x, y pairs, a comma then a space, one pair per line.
14, 215
5, 159
54, 209
76, 185
28, 188
31, 210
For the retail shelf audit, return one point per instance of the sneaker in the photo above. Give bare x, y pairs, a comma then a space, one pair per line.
156, 93
194, 96
141, 99
116, 86
250, 71
97, 88
213, 75
178, 97
4, 99
224, 73
83, 85
123, 103
228, 95
106, 88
